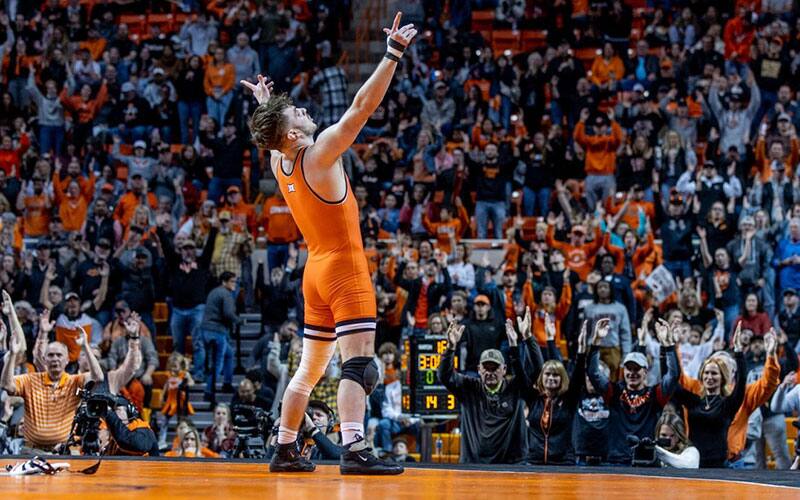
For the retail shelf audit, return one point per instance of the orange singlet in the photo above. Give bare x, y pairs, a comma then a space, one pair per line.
337, 289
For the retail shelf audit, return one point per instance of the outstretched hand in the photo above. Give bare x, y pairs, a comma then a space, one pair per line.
402, 35
261, 90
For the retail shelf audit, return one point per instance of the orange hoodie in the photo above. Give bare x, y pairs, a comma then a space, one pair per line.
578, 258
560, 312
601, 150
764, 164
755, 395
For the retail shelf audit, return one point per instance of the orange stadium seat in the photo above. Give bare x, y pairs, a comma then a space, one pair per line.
164, 21
136, 23
482, 20
503, 40
533, 40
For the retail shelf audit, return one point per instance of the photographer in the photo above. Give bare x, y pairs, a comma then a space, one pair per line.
128, 433
679, 453
318, 432
51, 396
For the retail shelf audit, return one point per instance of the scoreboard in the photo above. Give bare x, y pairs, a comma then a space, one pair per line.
423, 394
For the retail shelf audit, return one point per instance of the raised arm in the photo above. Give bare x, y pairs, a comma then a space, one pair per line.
95, 371
333, 141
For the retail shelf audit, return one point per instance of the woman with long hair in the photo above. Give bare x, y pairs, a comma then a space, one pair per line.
711, 412
220, 436
553, 398
753, 317
679, 453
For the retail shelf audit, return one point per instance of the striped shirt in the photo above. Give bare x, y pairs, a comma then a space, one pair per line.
49, 407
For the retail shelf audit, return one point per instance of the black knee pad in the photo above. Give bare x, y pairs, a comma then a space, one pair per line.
362, 370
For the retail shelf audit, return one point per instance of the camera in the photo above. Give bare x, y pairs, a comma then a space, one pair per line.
252, 424
86, 423
644, 450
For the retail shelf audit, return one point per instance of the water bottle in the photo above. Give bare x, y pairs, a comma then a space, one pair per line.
439, 445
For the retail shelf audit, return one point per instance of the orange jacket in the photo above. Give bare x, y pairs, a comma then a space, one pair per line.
602, 69
601, 150
755, 395
85, 111
243, 217
127, 206
738, 39
764, 164
443, 230
638, 259
219, 76
581, 258
60, 186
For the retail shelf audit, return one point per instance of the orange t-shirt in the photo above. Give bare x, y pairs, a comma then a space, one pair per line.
37, 215
278, 222
73, 213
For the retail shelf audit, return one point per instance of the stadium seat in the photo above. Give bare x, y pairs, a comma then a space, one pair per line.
136, 23
164, 21
503, 40
791, 430
157, 399
160, 312
482, 20
533, 40
160, 378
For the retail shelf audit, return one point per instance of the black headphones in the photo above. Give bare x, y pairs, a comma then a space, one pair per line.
130, 408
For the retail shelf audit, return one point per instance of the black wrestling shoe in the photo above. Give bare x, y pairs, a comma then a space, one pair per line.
363, 462
287, 458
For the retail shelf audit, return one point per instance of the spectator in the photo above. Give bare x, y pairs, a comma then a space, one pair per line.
191, 97
616, 344
491, 175
787, 257
601, 156
190, 280
680, 453
220, 436
219, 318
635, 407
489, 392
484, 331
331, 85
218, 82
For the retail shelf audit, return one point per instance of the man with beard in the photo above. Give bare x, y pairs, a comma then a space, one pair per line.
100, 225
635, 407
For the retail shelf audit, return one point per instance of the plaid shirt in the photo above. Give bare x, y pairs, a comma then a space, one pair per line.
332, 86
228, 251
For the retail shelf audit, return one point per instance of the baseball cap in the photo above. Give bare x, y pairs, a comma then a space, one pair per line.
492, 356
141, 252
233, 189
709, 164
189, 243
636, 358
159, 71
439, 85
510, 268
578, 228
104, 242
784, 117
666, 63
789, 291
747, 219
72, 295
128, 87
482, 298
140, 144
225, 215
638, 87
107, 187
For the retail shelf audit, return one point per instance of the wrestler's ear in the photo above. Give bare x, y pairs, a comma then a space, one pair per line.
292, 135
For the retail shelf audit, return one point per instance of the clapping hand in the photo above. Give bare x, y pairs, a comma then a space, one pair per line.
771, 342
45, 324
738, 340
601, 328
524, 324
511, 334
582, 337
454, 332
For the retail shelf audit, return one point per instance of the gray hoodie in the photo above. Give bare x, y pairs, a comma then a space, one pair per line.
51, 111
619, 335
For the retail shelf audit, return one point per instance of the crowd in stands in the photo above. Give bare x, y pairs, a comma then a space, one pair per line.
627, 142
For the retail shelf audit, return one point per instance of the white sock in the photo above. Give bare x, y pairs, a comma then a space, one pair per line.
352, 431
286, 435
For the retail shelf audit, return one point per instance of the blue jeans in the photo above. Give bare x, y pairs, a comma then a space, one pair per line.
598, 188
531, 199
218, 186
186, 110
218, 108
277, 255
222, 350
51, 139
183, 323
679, 268
383, 434
494, 209
132, 134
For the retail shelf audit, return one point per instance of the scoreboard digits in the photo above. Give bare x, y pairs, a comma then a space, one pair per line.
423, 394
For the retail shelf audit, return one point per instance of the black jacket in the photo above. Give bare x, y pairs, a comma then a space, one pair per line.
188, 289
550, 420
480, 335
141, 440
435, 292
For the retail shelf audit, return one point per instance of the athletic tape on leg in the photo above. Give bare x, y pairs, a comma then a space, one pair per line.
313, 363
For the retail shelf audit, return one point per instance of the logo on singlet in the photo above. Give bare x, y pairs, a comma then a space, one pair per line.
290, 187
